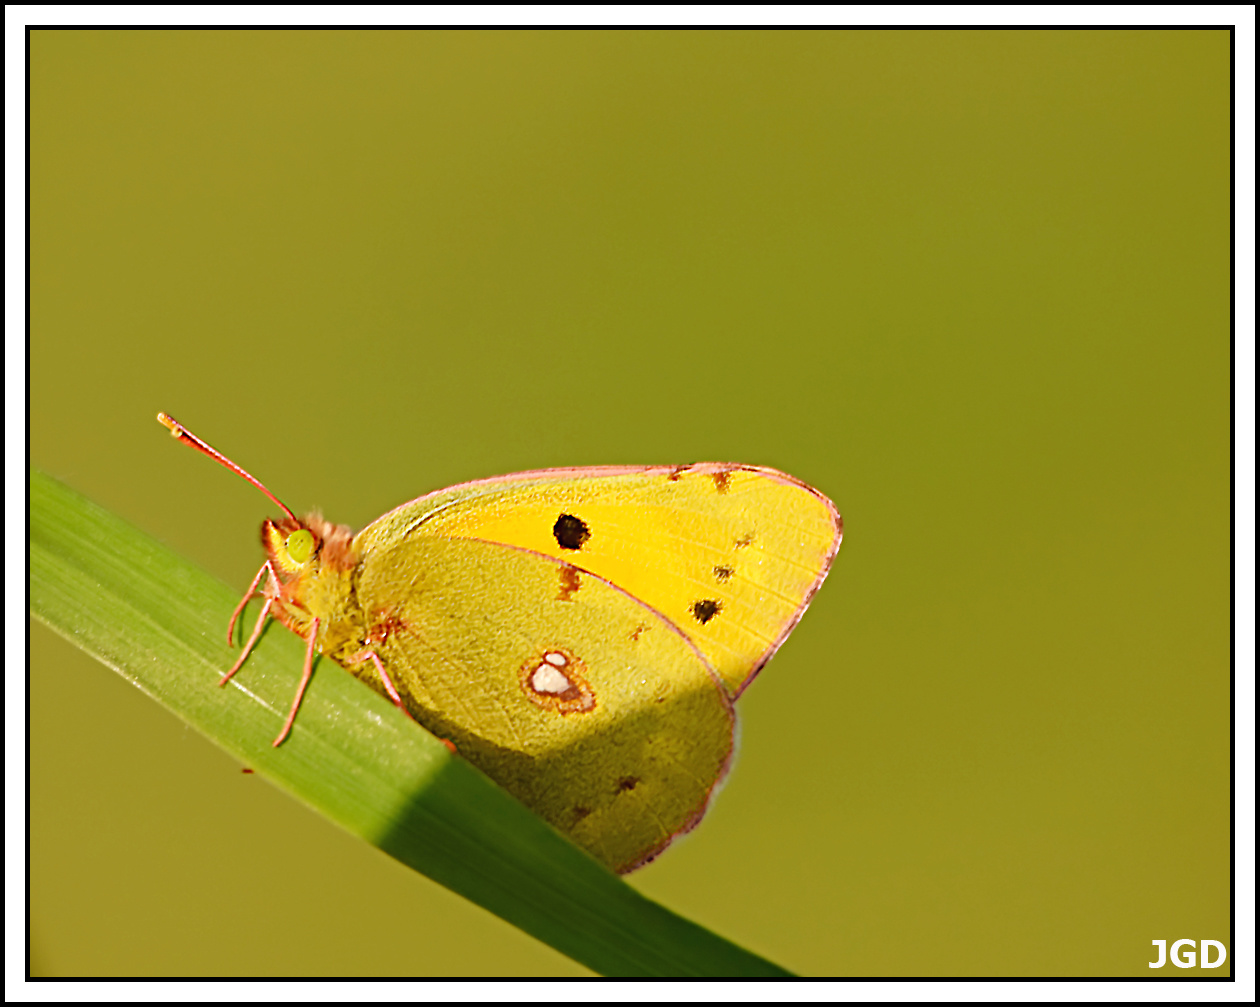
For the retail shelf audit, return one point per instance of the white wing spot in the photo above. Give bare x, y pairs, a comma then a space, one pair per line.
548, 679
556, 681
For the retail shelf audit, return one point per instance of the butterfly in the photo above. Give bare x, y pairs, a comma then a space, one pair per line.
580, 635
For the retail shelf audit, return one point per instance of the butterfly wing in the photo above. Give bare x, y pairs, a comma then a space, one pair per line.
582, 701
731, 554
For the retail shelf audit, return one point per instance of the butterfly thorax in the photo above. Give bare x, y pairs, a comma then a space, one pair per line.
316, 581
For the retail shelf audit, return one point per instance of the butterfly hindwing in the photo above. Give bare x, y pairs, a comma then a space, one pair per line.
577, 698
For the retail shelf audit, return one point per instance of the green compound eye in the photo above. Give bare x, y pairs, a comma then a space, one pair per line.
300, 545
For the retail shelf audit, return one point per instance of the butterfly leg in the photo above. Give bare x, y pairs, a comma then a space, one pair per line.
253, 639
253, 590
307, 668
389, 685
364, 655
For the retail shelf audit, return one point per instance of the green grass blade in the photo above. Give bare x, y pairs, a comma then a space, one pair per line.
159, 622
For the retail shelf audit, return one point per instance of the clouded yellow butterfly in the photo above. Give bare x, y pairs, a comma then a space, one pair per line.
579, 634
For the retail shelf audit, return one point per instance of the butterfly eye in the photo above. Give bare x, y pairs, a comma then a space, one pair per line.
300, 545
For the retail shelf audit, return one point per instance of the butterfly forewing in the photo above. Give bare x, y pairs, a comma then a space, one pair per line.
730, 554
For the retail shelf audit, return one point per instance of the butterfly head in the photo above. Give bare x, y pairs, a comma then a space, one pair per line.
299, 548
291, 546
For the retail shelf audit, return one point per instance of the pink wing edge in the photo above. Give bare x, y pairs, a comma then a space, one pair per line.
579, 472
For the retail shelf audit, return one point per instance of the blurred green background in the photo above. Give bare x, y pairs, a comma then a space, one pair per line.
972, 285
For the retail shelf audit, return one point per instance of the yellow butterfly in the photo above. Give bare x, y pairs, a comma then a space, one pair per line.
580, 635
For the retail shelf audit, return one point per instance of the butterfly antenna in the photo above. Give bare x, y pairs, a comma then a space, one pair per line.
183, 434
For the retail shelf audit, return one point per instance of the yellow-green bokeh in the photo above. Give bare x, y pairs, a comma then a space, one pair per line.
973, 285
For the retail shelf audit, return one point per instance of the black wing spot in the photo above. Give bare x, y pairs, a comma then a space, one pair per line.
571, 532
706, 609
723, 572
627, 783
